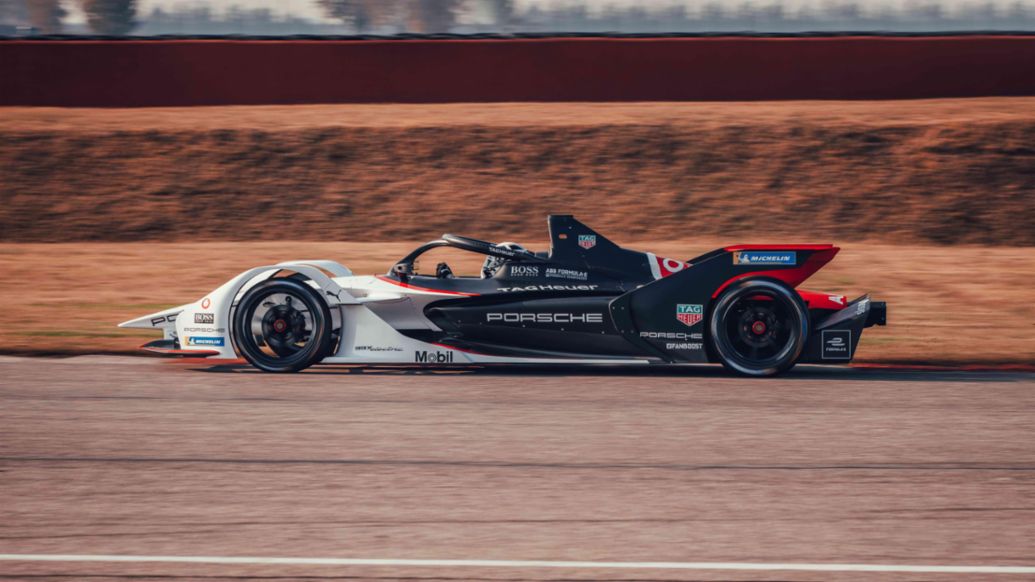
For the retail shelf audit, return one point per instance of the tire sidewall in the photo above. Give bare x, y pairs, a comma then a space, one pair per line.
716, 327
314, 350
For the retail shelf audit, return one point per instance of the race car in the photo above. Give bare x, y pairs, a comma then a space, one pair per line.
584, 301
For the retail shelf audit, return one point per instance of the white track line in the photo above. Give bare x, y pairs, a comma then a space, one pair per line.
929, 569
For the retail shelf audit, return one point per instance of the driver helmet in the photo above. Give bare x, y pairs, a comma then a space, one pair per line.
492, 264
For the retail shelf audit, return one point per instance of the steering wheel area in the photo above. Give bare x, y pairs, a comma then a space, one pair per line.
486, 248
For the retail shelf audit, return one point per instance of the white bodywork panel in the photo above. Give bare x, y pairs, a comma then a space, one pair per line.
367, 309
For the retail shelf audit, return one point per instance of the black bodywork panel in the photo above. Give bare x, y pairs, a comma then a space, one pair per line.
531, 325
590, 298
649, 316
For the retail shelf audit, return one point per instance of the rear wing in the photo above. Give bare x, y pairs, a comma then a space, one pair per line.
675, 307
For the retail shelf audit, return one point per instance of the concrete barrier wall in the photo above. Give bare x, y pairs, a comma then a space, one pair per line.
137, 73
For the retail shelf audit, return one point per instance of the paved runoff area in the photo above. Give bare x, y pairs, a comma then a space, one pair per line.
139, 468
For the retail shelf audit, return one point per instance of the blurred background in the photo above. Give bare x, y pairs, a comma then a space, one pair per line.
152, 149
902, 130
389, 17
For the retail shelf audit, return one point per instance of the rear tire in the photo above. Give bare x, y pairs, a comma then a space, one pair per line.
282, 325
758, 327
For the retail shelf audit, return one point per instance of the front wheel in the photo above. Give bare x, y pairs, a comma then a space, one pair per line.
282, 325
758, 327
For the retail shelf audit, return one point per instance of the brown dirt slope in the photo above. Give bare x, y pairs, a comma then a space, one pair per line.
950, 171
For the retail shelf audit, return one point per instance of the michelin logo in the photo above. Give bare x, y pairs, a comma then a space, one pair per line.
765, 258
204, 341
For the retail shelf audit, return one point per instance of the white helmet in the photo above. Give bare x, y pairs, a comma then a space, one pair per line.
493, 263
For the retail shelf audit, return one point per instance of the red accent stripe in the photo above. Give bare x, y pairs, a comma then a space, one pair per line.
819, 300
821, 247
419, 288
456, 349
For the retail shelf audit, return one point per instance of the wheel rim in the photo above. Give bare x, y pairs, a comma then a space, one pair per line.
280, 324
759, 328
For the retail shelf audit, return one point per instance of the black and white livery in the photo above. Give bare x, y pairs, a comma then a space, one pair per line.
584, 301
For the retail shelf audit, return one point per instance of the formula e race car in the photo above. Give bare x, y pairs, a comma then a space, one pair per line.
585, 301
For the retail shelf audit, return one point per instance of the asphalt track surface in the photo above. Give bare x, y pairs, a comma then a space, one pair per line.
119, 457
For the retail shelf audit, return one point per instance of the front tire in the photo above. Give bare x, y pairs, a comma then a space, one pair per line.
282, 325
758, 327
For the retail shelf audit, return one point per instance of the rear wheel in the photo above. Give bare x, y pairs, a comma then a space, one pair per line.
758, 327
282, 325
